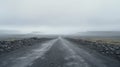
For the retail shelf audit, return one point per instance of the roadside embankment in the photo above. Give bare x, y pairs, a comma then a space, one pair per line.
112, 50
11, 45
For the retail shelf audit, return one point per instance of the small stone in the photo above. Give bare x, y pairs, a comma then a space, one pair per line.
1, 50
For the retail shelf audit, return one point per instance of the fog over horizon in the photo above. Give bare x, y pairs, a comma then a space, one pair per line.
60, 16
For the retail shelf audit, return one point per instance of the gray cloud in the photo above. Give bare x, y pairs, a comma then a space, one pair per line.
62, 15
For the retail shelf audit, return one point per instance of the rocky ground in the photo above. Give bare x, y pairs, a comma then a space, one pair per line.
11, 45
112, 50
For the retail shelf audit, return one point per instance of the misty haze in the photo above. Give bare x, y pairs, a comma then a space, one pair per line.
60, 33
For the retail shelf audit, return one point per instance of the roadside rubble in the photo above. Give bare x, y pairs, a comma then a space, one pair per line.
7, 46
111, 50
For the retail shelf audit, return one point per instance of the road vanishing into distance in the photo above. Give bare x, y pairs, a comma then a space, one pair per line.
56, 53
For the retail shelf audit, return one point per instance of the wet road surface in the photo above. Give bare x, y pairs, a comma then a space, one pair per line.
56, 53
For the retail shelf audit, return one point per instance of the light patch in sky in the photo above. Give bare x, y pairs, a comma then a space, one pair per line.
48, 30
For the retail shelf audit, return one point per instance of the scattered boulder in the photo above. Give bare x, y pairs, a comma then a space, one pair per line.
112, 50
7, 46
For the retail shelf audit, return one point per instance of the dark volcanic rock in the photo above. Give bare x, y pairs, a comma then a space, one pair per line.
111, 50
7, 46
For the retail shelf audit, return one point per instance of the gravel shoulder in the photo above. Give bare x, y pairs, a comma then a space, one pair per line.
111, 50
12, 45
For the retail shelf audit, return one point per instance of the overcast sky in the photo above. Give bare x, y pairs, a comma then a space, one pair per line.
59, 16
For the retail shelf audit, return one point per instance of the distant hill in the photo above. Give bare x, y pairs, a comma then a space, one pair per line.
99, 33
6, 34
9, 32
36, 32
